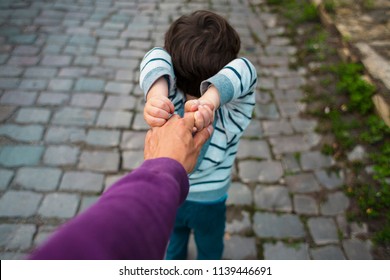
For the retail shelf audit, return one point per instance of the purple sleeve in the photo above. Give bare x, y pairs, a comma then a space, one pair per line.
132, 220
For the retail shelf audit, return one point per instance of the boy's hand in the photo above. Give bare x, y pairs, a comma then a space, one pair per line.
157, 110
204, 113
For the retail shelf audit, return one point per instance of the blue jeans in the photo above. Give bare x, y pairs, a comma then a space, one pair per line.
208, 223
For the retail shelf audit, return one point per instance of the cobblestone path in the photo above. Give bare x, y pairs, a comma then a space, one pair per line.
71, 124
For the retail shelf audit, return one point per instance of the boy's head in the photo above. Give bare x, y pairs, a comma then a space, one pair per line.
200, 45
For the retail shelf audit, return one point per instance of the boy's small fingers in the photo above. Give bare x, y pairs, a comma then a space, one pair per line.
154, 122
199, 121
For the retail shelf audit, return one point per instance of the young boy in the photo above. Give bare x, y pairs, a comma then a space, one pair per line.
198, 71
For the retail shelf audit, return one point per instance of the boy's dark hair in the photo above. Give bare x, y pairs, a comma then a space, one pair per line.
200, 45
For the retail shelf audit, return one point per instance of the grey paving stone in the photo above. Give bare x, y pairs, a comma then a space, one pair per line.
111, 179
254, 130
6, 112
119, 88
14, 236
336, 203
82, 181
358, 229
277, 226
87, 100
56, 60
289, 109
323, 230
82, 40
240, 248
19, 204
74, 116
38, 178
43, 234
22, 133
315, 160
13, 156
107, 52
133, 140
87, 202
306, 205
40, 72
26, 50
106, 73
33, 115
303, 125
105, 138
125, 75
289, 144
60, 84
61, 155
78, 50
99, 161
13, 256
238, 223
280, 127
73, 72
329, 252
290, 163
18, 98
114, 119
33, 84
5, 178
120, 102
90, 85
330, 180
23, 60
59, 205
51, 98
253, 149
9, 83
65, 135
239, 194
357, 250
266, 111
284, 251
274, 198
132, 159
10, 71
121, 63
260, 171
86, 61
290, 82
302, 183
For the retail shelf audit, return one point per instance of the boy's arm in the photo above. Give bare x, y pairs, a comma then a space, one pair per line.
156, 76
235, 84
156, 63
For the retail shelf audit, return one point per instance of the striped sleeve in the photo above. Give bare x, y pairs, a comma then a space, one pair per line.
155, 64
236, 84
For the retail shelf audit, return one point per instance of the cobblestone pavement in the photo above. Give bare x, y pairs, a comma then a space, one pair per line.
71, 124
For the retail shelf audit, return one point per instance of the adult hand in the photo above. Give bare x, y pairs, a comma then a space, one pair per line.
175, 140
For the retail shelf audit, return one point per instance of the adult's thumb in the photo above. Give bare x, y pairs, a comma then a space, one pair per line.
202, 136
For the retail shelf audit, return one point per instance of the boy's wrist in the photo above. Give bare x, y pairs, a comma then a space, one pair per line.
159, 88
211, 96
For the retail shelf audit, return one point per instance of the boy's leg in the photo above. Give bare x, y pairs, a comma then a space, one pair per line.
210, 230
178, 243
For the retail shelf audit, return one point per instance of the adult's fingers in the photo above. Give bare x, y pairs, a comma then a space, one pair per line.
189, 120
202, 136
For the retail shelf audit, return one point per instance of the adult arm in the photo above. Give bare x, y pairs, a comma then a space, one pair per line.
132, 220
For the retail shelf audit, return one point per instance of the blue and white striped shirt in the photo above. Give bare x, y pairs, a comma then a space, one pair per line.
236, 83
